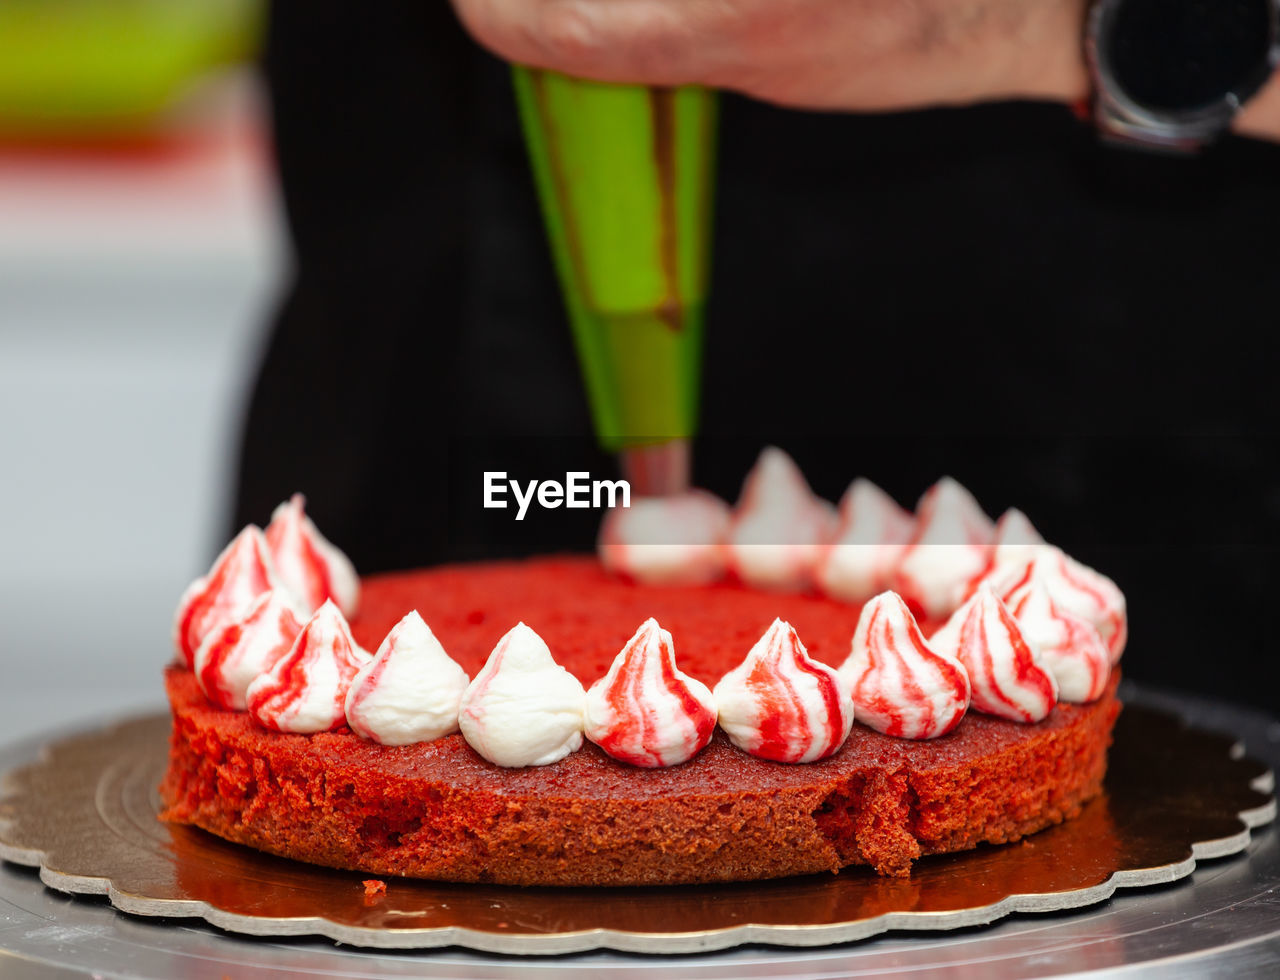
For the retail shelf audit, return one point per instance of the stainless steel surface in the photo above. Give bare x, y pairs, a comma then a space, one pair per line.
1223, 919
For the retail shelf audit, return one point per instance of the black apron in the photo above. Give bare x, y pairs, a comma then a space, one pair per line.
1080, 332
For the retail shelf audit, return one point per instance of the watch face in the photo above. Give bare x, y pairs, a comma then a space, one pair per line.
1175, 56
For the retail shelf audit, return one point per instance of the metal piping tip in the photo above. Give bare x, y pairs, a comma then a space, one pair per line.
657, 471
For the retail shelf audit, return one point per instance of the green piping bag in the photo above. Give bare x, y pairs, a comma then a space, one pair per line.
624, 176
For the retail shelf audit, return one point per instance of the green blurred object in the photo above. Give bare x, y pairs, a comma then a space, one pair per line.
103, 67
625, 178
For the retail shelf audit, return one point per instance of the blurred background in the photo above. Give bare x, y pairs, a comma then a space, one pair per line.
345, 250
141, 252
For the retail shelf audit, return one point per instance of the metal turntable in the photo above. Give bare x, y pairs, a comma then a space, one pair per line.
1222, 918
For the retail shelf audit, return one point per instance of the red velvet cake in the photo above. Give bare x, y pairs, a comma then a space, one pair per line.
436, 809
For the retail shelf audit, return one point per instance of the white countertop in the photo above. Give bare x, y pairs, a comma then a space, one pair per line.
134, 289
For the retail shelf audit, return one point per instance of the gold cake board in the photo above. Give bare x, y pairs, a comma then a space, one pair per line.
85, 815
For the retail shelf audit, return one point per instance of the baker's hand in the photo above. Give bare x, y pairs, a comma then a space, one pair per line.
828, 54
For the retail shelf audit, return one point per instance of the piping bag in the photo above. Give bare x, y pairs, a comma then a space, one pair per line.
623, 174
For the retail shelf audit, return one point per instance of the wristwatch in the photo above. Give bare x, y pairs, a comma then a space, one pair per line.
1171, 74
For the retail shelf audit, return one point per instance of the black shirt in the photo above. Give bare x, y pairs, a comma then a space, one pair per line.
1080, 332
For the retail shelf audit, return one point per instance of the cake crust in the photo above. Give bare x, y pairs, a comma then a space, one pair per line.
437, 810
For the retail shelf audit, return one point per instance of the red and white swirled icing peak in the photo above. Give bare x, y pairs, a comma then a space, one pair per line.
235, 654
900, 685
1016, 538
239, 575
411, 689
645, 710
309, 566
872, 535
523, 708
779, 526
675, 540
1005, 675
782, 705
1069, 646
948, 553
306, 690
1074, 587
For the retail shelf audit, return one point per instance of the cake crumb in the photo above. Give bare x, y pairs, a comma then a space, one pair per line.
374, 889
